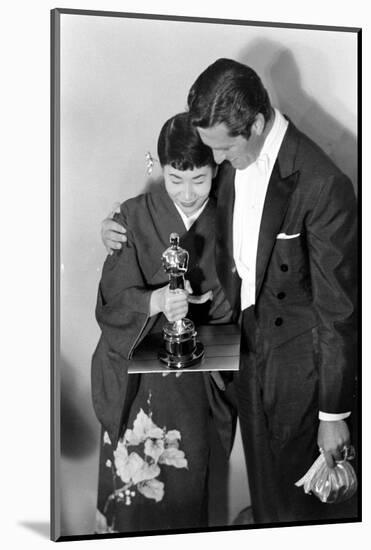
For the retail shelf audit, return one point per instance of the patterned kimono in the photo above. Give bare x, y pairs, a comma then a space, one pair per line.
155, 450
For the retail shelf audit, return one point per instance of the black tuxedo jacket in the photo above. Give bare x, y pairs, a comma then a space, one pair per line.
304, 283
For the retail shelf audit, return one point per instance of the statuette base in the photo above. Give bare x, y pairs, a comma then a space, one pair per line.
172, 361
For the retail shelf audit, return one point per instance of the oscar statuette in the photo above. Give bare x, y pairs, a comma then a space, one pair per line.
180, 347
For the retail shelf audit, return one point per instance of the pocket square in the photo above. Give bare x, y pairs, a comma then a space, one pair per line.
285, 236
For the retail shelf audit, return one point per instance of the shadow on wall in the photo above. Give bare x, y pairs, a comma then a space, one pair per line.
79, 454
281, 75
78, 436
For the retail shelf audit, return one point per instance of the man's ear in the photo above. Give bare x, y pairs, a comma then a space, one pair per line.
215, 171
259, 124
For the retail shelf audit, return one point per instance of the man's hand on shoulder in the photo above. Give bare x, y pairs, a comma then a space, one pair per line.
112, 233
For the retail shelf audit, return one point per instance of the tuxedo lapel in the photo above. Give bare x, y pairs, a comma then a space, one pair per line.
224, 218
276, 203
225, 265
281, 185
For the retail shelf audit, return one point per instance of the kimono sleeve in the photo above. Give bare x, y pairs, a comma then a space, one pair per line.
122, 309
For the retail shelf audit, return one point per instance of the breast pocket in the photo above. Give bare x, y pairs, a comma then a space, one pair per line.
291, 255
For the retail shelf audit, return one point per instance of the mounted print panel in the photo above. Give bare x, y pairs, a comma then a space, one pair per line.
232, 145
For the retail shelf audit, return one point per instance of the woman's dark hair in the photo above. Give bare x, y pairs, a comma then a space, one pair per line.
180, 146
231, 93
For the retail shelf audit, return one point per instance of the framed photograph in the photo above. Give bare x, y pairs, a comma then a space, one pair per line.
203, 380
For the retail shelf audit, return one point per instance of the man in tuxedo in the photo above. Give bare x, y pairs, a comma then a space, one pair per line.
285, 256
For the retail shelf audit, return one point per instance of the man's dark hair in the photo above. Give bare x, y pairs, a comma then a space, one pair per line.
180, 146
231, 93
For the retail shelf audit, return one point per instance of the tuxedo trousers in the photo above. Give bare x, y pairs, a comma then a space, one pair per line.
277, 396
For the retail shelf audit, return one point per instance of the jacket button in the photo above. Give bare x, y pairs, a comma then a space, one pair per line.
284, 267
278, 322
281, 295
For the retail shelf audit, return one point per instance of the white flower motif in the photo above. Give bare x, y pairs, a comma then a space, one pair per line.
131, 438
157, 446
121, 462
106, 439
135, 464
154, 448
132, 468
172, 438
173, 457
144, 427
145, 472
152, 489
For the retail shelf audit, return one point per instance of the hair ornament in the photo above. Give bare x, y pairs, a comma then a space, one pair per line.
150, 161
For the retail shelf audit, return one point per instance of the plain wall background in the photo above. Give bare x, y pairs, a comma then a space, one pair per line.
120, 80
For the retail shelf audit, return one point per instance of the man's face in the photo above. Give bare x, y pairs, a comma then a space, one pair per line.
240, 152
189, 189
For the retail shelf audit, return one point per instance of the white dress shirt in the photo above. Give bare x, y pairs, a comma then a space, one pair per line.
250, 189
251, 186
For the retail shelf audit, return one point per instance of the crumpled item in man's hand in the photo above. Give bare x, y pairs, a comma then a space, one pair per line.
331, 485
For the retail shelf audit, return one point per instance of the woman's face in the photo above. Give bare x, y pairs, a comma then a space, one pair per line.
189, 189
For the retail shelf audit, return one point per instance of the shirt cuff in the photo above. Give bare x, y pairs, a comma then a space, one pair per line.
331, 416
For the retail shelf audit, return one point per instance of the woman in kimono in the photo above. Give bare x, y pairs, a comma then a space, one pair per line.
155, 446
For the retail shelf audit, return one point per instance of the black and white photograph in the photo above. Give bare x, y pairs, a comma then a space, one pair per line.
184, 207
205, 370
